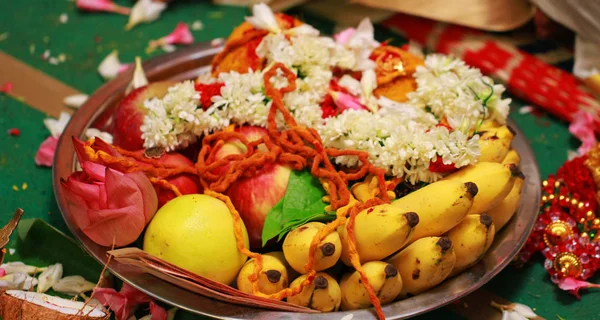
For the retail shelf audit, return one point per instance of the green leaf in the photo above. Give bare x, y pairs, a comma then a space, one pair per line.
41, 245
301, 203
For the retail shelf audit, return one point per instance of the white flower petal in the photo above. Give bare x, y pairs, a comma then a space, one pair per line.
11, 251
18, 280
505, 315
20, 267
110, 66
63, 18
76, 100
168, 47
524, 310
303, 30
57, 126
145, 11
73, 285
93, 132
197, 25
139, 77
512, 315
263, 18
49, 277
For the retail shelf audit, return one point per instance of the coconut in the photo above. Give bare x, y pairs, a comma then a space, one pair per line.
25, 305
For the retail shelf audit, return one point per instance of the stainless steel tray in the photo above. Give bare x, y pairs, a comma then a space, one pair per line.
195, 60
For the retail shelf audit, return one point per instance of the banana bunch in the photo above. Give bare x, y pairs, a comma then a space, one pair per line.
424, 264
471, 238
494, 143
272, 278
378, 232
440, 206
323, 294
383, 277
296, 247
494, 182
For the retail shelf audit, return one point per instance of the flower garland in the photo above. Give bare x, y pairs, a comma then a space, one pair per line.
436, 128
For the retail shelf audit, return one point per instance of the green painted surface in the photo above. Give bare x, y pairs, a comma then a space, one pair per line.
88, 37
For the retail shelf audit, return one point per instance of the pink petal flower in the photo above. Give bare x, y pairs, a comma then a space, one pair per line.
122, 303
6, 87
2, 272
45, 154
582, 126
343, 36
101, 5
108, 206
157, 312
573, 285
345, 101
181, 35
124, 67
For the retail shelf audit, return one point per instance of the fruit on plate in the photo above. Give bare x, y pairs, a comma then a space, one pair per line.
292, 274
296, 247
379, 232
323, 294
494, 181
382, 276
494, 143
424, 264
256, 195
471, 238
129, 115
196, 232
512, 157
272, 278
502, 213
440, 205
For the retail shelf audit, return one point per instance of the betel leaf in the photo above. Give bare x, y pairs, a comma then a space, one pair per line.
301, 203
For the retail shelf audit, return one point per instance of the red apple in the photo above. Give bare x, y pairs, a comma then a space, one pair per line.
129, 114
254, 196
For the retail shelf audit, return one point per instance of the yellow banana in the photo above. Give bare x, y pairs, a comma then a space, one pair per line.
378, 232
383, 278
472, 237
502, 213
512, 157
297, 244
494, 181
322, 294
292, 274
272, 278
424, 264
440, 205
369, 189
494, 143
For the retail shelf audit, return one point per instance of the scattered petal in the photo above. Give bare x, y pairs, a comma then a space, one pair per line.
217, 42
53, 61
20, 267
15, 188
49, 277
73, 285
181, 35
197, 25
11, 251
32, 48
93, 132
63, 18
14, 132
18, 280
75, 101
139, 78
4, 36
57, 126
6, 87
124, 67
348, 317
101, 5
111, 65
263, 18
343, 36
24, 186
168, 48
2, 272
573, 285
582, 127
525, 110
524, 310
145, 11
45, 154
62, 57
46, 54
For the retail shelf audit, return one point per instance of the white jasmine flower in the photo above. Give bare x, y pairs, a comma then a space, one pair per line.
197, 25
63, 18
139, 77
75, 101
57, 126
303, 30
19, 281
145, 11
515, 311
49, 277
368, 83
361, 43
20, 267
110, 66
352, 85
93, 132
263, 18
73, 285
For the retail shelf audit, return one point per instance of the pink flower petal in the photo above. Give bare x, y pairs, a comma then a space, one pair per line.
89, 192
149, 196
94, 170
6, 87
134, 295
582, 126
124, 67
181, 35
101, 5
343, 36
573, 285
115, 301
157, 312
45, 154
77, 207
346, 101
2, 272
